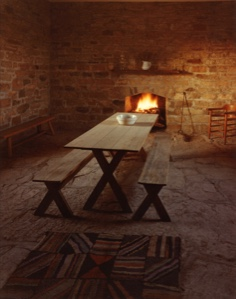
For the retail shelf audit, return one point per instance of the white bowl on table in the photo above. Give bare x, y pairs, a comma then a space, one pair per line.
126, 119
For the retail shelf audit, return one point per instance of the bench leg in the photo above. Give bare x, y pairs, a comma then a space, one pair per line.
152, 197
143, 154
9, 147
54, 193
51, 128
40, 129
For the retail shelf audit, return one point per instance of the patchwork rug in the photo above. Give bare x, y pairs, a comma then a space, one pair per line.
101, 266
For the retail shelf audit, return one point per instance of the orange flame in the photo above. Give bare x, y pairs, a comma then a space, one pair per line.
146, 102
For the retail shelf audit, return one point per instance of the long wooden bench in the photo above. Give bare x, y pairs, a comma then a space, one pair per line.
154, 176
37, 123
56, 176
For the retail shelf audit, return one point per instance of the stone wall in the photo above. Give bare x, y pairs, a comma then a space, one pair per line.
93, 44
24, 60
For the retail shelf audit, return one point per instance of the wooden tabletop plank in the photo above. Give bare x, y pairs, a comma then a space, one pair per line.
110, 135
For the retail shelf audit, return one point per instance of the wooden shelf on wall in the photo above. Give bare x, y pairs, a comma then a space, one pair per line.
151, 72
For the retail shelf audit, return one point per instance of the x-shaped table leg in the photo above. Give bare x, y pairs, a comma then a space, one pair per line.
152, 197
107, 177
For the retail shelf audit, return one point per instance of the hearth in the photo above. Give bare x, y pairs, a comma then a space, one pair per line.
148, 103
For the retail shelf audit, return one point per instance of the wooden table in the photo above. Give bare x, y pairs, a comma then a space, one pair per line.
118, 139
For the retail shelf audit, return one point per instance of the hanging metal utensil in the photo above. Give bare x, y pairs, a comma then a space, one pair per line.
186, 137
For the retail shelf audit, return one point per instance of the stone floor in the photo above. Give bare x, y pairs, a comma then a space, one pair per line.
200, 199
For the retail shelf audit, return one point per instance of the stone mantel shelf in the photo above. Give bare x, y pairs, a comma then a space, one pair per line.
152, 72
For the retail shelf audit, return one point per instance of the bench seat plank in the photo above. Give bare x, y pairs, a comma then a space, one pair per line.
68, 167
154, 176
156, 167
16, 130
25, 126
57, 175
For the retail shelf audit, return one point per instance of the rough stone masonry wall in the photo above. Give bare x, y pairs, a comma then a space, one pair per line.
24, 60
93, 42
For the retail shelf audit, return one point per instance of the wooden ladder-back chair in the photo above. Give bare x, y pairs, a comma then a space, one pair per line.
222, 122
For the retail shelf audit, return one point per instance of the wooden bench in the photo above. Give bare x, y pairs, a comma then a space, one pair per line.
56, 176
154, 176
35, 123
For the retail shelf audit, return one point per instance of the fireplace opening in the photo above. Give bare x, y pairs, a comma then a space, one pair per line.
148, 103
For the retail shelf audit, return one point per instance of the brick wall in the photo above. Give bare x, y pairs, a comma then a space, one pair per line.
90, 39
24, 60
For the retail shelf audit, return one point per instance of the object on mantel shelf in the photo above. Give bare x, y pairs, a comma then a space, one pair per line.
151, 72
146, 65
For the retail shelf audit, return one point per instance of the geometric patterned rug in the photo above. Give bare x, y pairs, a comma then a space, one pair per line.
101, 266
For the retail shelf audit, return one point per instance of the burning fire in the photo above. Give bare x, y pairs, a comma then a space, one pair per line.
146, 103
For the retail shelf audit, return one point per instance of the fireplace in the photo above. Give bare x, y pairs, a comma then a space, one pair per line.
148, 103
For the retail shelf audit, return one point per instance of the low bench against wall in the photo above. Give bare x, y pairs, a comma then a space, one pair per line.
154, 176
56, 176
36, 123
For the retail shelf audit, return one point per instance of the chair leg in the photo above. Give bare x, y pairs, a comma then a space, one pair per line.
209, 127
225, 129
